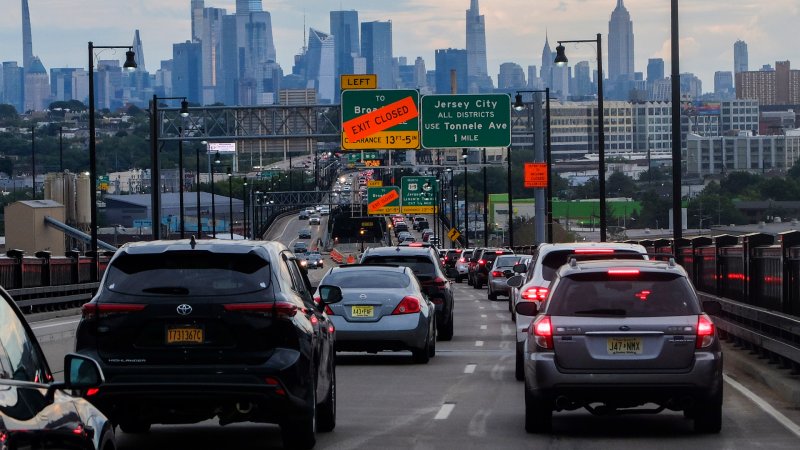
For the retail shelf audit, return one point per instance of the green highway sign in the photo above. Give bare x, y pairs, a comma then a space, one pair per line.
466, 120
362, 111
383, 200
418, 195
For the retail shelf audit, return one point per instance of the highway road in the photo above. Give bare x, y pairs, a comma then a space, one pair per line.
467, 397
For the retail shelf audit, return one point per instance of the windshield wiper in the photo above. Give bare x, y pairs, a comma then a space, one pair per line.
169, 290
603, 312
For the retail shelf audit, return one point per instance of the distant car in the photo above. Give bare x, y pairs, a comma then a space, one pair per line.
462, 264
314, 220
499, 273
303, 215
382, 308
485, 259
36, 411
304, 233
324, 211
314, 260
300, 247
622, 336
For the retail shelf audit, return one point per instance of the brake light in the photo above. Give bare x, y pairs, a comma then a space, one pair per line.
705, 331
329, 311
594, 250
481, 262
543, 332
497, 273
461, 260
408, 305
623, 272
438, 282
534, 293
92, 310
317, 299
279, 310
272, 381
92, 391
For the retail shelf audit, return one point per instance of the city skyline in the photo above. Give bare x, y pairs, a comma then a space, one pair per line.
515, 32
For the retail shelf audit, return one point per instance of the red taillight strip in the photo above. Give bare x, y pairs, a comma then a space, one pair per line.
623, 271
593, 250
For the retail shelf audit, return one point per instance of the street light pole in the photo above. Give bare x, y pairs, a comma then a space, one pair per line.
33, 159
213, 200
130, 63
180, 180
230, 201
677, 220
485, 204
244, 207
466, 203
155, 171
197, 188
561, 59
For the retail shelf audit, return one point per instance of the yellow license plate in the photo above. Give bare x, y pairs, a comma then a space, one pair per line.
363, 311
184, 335
625, 346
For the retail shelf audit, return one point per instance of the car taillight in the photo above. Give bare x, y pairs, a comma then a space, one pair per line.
594, 250
705, 331
481, 262
279, 310
534, 293
438, 282
542, 330
329, 311
408, 305
497, 273
623, 272
92, 391
272, 381
461, 260
91, 310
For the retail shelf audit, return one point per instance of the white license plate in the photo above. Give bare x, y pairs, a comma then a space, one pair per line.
624, 346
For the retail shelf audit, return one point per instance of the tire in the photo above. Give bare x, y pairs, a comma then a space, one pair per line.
491, 295
538, 414
134, 427
469, 280
708, 417
432, 347
458, 278
326, 411
108, 439
519, 364
446, 330
422, 355
300, 434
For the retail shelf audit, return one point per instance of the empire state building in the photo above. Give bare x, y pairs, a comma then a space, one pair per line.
620, 44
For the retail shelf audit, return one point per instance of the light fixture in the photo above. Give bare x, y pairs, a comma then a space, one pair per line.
561, 56
184, 108
518, 105
217, 158
229, 172
130, 60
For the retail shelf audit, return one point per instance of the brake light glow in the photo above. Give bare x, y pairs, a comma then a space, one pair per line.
543, 332
481, 261
408, 305
92, 391
593, 250
279, 310
329, 311
498, 252
534, 293
461, 260
623, 272
705, 331
92, 310
272, 381
497, 273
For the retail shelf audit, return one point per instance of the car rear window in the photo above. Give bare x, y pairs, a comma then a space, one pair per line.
354, 278
648, 294
506, 261
466, 255
421, 266
553, 260
196, 273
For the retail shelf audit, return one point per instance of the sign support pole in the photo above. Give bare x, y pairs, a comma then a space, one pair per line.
540, 214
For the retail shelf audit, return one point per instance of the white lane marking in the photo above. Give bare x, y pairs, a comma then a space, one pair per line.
283, 233
483, 327
470, 368
482, 307
444, 411
483, 316
57, 324
477, 301
766, 407
478, 343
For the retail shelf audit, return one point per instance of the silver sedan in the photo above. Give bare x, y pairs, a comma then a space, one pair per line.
382, 308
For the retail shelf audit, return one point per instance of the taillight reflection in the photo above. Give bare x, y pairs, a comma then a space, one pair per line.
91, 310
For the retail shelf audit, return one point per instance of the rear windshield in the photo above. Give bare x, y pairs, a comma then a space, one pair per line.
195, 273
644, 295
420, 265
467, 254
355, 278
506, 261
553, 260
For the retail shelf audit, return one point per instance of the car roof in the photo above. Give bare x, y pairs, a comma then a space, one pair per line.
385, 267
547, 248
604, 265
210, 245
402, 250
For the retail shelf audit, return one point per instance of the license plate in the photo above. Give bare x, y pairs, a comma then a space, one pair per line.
184, 335
362, 311
625, 346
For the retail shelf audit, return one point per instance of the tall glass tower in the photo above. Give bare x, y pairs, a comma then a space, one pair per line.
477, 71
376, 48
344, 28
740, 58
620, 44
248, 6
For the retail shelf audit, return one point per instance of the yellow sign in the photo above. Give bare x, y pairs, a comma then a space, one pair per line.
453, 234
535, 175
372, 163
364, 81
419, 209
375, 183
384, 139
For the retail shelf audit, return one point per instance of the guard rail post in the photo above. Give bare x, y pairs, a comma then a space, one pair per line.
749, 244
720, 242
790, 252
47, 278
17, 255
75, 273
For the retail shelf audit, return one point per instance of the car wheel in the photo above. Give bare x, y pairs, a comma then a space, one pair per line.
538, 414
134, 426
476, 284
326, 417
458, 278
446, 330
469, 280
432, 348
708, 417
491, 295
301, 434
519, 365
422, 355
108, 440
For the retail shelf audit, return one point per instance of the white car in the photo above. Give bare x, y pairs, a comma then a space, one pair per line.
314, 220
462, 265
324, 211
534, 285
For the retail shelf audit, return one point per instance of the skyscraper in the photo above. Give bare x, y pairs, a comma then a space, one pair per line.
511, 76
27, 41
210, 37
247, 6
477, 72
37, 86
655, 69
723, 85
197, 18
319, 64
187, 73
740, 58
344, 28
376, 47
547, 64
138, 51
620, 52
448, 60
13, 85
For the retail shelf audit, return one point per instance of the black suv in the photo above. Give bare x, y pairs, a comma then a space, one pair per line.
426, 265
188, 330
484, 258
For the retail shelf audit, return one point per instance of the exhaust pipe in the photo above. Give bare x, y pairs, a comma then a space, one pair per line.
244, 408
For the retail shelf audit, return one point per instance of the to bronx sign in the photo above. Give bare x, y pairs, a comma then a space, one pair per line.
480, 120
380, 119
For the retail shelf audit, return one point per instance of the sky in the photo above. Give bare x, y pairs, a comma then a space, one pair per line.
515, 29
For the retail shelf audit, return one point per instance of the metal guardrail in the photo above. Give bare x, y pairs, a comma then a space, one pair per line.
52, 298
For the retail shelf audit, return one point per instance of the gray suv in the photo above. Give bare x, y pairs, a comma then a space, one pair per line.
615, 335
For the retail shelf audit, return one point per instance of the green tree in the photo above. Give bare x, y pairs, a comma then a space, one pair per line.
621, 185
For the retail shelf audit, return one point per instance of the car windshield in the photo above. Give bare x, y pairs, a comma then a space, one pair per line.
196, 273
555, 259
420, 265
506, 261
368, 279
647, 294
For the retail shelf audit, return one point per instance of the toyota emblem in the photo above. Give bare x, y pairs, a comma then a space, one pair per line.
363, 296
184, 309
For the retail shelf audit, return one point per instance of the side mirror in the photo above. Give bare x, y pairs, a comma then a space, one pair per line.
330, 294
515, 281
80, 372
527, 308
712, 307
507, 273
520, 268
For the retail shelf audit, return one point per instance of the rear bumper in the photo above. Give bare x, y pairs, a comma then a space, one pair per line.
499, 286
401, 332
